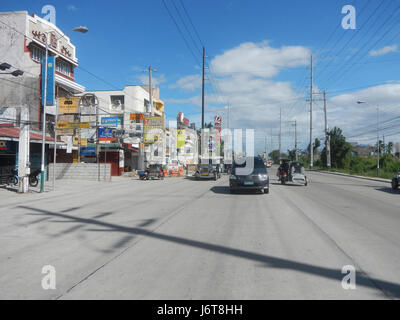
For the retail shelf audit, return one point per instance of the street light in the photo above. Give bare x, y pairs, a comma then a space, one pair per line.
77, 29
377, 133
6, 66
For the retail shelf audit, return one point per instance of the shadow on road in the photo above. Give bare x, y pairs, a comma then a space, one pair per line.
387, 289
388, 190
225, 190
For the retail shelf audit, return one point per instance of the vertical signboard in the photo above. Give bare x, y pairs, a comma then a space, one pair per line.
50, 80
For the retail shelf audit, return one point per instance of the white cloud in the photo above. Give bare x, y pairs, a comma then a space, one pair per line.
155, 80
259, 59
188, 83
383, 51
71, 7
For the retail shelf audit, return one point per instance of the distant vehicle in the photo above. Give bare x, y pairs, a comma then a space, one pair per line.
208, 171
154, 171
269, 164
396, 181
292, 171
257, 179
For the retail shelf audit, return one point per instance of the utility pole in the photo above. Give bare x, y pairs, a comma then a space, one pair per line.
327, 136
23, 150
151, 70
202, 90
44, 100
280, 131
295, 140
311, 111
55, 147
377, 137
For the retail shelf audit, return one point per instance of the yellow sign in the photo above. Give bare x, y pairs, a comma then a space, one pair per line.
73, 125
62, 125
153, 128
180, 138
76, 140
83, 142
68, 105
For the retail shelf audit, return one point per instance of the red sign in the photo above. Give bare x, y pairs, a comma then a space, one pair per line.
186, 121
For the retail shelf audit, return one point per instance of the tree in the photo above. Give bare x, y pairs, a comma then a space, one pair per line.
317, 144
340, 150
292, 154
274, 156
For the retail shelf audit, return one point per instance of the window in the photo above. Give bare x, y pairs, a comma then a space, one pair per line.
37, 53
63, 67
117, 102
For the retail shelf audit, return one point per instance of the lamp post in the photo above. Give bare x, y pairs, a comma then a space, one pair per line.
377, 135
42, 172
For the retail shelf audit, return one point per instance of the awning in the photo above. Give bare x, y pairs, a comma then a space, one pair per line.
12, 134
69, 85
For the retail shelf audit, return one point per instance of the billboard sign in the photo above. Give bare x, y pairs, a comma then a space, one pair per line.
106, 134
68, 105
112, 122
88, 151
152, 128
50, 80
180, 138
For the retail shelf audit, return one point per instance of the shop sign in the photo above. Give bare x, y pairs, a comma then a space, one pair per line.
136, 116
111, 121
68, 105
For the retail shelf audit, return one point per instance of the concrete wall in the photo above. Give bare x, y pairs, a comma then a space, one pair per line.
80, 171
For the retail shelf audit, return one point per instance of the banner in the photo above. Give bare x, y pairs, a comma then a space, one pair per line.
68, 105
152, 128
180, 138
50, 79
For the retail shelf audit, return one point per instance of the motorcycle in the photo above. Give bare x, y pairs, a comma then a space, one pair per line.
33, 178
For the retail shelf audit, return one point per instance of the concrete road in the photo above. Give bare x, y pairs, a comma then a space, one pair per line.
186, 239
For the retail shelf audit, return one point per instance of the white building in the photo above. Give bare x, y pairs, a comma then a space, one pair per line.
22, 45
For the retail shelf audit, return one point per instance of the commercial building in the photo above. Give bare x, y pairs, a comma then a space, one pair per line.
122, 111
22, 46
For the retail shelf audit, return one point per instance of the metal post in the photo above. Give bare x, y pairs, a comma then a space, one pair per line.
327, 136
55, 148
44, 119
311, 119
295, 140
280, 132
377, 137
97, 142
202, 90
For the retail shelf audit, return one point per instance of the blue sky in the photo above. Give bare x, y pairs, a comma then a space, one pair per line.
126, 36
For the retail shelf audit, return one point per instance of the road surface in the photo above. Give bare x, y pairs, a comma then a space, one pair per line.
186, 239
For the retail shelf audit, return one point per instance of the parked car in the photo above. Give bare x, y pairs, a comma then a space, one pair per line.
256, 178
396, 181
208, 171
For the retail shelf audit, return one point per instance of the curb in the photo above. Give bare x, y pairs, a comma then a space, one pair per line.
352, 176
